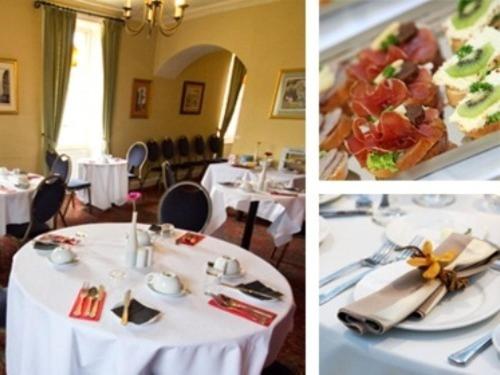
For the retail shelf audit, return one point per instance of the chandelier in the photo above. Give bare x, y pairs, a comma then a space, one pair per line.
153, 17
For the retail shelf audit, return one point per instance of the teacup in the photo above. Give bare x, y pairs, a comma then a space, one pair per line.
62, 255
167, 230
23, 180
165, 282
246, 186
227, 266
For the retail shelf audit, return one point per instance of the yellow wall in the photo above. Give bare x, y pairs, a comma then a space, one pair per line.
20, 39
266, 38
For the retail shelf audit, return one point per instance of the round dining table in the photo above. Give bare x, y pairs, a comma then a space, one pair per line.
402, 352
108, 179
15, 202
191, 337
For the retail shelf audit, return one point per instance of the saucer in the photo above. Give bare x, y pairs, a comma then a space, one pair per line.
63, 266
182, 293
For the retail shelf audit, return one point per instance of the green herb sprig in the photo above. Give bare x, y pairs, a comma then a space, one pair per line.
389, 41
389, 71
464, 51
494, 118
481, 86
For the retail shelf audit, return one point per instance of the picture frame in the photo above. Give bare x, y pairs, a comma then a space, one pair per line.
141, 98
9, 87
289, 101
192, 98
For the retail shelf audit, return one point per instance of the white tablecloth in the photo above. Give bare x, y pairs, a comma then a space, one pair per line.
285, 213
398, 352
223, 172
192, 337
15, 205
109, 182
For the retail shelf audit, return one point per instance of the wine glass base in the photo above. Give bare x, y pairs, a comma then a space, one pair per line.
434, 200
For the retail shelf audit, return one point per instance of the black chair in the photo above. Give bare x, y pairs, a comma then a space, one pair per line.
183, 158
45, 205
3, 306
215, 149
186, 205
137, 155
62, 167
50, 158
199, 161
168, 149
168, 175
154, 159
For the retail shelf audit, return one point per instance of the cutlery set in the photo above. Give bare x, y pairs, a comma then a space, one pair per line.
89, 302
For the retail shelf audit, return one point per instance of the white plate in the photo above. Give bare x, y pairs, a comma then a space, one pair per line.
432, 225
496, 339
63, 266
324, 229
477, 302
235, 276
327, 198
182, 293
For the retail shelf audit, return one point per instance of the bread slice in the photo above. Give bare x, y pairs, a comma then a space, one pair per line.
454, 95
336, 137
487, 129
337, 98
333, 165
424, 149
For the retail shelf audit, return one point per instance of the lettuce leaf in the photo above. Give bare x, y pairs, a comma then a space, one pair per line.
382, 160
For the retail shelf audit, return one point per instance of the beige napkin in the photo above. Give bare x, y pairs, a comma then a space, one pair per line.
410, 294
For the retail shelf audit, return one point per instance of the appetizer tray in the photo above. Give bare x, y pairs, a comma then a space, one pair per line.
431, 15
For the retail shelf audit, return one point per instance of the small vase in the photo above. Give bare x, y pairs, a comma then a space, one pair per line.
132, 244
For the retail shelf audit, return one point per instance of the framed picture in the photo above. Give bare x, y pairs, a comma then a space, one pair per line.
290, 95
9, 93
192, 97
141, 96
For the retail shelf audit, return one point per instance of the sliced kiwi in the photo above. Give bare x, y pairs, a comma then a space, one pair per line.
469, 11
473, 63
479, 103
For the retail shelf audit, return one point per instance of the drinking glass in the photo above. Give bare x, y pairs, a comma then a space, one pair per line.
434, 200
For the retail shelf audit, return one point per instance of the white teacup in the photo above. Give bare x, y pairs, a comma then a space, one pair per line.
167, 230
227, 266
247, 186
62, 255
165, 282
23, 180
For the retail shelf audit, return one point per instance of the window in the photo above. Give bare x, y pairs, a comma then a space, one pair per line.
81, 130
230, 135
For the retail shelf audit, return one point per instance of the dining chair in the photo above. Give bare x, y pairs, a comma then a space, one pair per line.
186, 205
183, 158
168, 149
137, 155
62, 167
50, 158
215, 148
199, 161
45, 205
154, 159
168, 175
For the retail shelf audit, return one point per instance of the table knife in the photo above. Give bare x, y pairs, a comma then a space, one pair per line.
464, 356
340, 214
126, 305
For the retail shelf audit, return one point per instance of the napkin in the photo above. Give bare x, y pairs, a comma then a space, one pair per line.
137, 312
189, 239
246, 311
259, 287
410, 294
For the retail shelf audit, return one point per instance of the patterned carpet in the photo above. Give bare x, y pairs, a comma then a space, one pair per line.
291, 360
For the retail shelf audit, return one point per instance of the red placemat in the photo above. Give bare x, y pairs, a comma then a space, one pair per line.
252, 316
189, 239
86, 302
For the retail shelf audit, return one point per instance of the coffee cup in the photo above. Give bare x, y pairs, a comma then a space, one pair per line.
227, 266
23, 180
165, 282
62, 255
167, 230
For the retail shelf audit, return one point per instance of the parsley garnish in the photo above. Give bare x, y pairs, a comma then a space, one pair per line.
462, 4
389, 71
389, 41
494, 118
480, 86
464, 51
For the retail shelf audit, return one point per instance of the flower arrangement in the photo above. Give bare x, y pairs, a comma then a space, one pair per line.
134, 196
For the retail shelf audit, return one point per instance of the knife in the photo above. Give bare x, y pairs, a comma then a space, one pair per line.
97, 302
340, 214
251, 291
126, 305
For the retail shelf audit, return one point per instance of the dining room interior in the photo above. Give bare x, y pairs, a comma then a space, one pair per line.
152, 172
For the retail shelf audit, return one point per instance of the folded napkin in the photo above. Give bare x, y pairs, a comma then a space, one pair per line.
411, 294
58, 239
258, 287
246, 311
189, 239
137, 312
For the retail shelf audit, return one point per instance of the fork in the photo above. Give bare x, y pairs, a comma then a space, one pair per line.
371, 261
81, 297
257, 315
391, 257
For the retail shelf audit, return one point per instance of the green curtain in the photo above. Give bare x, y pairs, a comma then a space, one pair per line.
111, 38
58, 29
237, 77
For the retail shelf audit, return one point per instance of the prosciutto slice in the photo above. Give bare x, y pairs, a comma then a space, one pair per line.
369, 100
422, 48
370, 63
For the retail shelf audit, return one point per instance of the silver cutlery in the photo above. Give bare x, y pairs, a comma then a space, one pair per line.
253, 292
390, 256
465, 355
344, 213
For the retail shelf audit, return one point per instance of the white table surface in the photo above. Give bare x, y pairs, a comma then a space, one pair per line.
397, 352
15, 206
285, 213
109, 182
223, 172
347, 22
192, 337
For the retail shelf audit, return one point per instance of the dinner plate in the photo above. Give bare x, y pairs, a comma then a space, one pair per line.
63, 266
496, 339
328, 198
182, 293
324, 229
477, 302
433, 225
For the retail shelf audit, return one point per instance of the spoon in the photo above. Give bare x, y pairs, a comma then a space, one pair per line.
92, 295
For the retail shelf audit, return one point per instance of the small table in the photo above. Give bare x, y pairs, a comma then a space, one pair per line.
15, 203
109, 182
191, 337
286, 213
